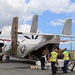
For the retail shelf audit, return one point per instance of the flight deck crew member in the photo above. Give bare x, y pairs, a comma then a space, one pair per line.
74, 63
66, 60
54, 60
59, 51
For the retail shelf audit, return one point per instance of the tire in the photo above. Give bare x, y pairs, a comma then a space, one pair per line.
7, 58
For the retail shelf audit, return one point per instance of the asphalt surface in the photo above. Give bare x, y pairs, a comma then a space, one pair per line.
18, 67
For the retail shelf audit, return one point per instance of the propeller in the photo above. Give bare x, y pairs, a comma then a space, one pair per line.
32, 37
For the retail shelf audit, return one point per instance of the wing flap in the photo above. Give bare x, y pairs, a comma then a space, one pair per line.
43, 34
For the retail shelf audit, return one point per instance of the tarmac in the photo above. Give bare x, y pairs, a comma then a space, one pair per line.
21, 67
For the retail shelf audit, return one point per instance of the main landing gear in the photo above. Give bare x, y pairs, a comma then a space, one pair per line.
7, 58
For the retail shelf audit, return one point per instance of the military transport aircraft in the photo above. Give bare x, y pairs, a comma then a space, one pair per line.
34, 44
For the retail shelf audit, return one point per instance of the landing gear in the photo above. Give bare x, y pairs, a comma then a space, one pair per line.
1, 58
7, 58
1, 53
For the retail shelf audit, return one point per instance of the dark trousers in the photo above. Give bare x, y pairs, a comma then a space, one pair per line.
42, 63
54, 69
1, 58
65, 66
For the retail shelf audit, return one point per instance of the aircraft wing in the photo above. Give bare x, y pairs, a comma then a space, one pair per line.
4, 41
66, 41
45, 34
51, 38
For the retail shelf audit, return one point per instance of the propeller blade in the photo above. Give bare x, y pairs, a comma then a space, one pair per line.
36, 37
27, 37
32, 36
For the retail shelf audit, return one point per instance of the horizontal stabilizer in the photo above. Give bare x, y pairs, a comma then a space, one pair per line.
34, 25
67, 27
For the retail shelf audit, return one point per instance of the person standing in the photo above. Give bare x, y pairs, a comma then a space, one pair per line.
54, 60
66, 60
74, 63
43, 59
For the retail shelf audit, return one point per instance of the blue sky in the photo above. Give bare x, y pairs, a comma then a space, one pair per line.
51, 15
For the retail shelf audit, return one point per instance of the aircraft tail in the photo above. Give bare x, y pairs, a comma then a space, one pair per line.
67, 27
14, 29
34, 26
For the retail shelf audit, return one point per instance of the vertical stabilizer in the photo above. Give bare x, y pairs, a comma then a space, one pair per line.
14, 29
67, 27
34, 26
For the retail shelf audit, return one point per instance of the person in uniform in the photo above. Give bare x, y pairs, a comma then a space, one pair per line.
66, 60
54, 60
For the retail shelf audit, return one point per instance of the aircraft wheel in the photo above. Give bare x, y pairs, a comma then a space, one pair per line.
7, 58
1, 58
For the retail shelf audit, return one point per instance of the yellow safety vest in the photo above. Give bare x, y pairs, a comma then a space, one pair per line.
53, 57
74, 55
66, 55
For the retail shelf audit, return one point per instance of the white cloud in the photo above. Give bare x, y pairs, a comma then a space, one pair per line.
55, 23
25, 9
58, 22
6, 31
11, 8
24, 28
58, 6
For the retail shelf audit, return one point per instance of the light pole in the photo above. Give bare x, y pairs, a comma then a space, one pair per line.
71, 44
71, 47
